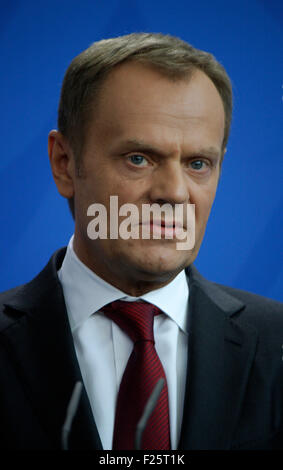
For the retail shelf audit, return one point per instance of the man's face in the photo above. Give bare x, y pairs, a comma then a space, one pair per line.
150, 140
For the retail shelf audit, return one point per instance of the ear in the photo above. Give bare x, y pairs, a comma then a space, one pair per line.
62, 163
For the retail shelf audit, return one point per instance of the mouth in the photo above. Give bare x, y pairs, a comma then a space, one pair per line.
164, 223
169, 229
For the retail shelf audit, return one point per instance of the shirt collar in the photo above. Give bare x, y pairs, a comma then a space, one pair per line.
86, 293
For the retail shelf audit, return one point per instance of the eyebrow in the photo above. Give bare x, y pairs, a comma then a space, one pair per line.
147, 148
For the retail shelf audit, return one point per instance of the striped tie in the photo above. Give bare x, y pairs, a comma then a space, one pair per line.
142, 372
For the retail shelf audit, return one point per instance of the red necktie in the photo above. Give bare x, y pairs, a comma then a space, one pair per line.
142, 372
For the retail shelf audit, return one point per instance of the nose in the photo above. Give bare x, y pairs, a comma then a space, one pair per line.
170, 184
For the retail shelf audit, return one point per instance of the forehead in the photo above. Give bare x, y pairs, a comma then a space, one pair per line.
139, 102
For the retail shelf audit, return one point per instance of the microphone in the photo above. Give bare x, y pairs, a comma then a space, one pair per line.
71, 411
148, 410
74, 403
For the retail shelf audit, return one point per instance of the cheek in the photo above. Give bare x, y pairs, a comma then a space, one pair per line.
203, 206
127, 191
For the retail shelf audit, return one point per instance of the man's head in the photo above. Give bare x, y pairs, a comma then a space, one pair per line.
145, 117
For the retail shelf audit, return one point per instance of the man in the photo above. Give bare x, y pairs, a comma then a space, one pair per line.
145, 118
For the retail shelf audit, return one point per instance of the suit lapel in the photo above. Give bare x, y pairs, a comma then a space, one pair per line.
41, 346
220, 354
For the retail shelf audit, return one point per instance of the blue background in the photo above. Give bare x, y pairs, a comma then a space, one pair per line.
243, 242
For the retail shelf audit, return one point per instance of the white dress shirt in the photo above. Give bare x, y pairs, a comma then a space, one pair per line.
103, 349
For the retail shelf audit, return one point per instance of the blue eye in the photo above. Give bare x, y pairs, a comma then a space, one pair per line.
197, 164
138, 159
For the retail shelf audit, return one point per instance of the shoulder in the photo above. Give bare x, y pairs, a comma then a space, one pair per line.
6, 298
244, 307
23, 299
252, 301
263, 313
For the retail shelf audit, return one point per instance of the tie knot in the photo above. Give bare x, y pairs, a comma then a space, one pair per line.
134, 318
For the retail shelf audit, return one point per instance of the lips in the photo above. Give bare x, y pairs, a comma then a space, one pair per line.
162, 228
166, 224
163, 224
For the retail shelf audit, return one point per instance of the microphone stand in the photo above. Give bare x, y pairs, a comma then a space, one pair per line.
148, 410
74, 403
71, 411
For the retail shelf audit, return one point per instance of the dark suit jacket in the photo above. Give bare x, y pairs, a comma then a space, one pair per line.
234, 388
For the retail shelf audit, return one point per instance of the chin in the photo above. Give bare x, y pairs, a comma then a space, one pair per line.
160, 263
